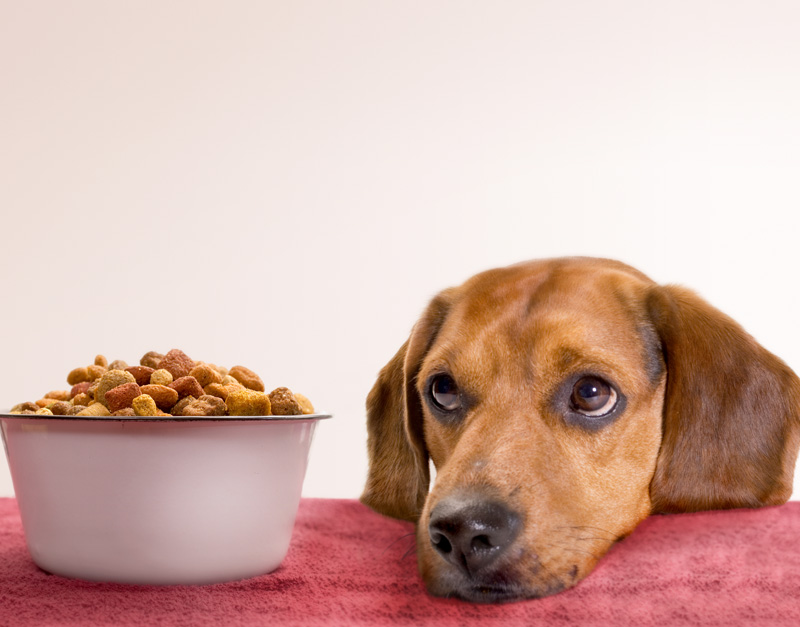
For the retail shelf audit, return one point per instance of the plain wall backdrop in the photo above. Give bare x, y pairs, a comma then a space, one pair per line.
285, 185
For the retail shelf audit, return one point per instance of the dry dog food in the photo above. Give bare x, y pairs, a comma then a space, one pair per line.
165, 385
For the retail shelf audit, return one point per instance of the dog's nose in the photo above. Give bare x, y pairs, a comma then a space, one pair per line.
472, 533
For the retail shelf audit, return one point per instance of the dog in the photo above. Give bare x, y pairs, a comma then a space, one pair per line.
562, 402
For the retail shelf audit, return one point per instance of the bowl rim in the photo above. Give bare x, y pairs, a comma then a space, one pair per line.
297, 418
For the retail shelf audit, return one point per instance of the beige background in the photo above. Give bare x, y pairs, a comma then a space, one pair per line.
285, 184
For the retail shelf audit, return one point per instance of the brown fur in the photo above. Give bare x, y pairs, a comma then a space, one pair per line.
710, 417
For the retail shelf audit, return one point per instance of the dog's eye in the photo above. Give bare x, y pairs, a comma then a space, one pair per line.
593, 397
444, 392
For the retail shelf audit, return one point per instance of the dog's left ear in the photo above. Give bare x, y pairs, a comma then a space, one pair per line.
398, 479
731, 426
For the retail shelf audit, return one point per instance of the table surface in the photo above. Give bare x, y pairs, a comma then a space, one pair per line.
350, 566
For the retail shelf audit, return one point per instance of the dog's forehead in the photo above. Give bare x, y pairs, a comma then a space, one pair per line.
576, 287
552, 309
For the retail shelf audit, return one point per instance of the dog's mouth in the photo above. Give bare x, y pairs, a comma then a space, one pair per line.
499, 592
501, 586
489, 594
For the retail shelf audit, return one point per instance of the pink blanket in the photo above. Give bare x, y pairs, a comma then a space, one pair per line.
350, 566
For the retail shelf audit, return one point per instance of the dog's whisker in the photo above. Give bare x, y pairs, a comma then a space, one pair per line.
579, 527
396, 540
574, 550
409, 552
586, 538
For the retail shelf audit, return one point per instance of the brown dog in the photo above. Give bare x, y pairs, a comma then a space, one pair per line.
562, 402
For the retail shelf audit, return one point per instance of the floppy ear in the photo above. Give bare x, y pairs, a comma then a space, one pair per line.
731, 412
398, 478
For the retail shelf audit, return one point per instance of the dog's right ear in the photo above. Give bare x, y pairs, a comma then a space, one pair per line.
398, 478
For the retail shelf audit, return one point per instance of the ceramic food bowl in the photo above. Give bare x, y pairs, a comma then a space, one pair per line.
158, 500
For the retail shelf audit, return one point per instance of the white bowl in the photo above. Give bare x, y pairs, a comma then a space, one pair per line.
158, 500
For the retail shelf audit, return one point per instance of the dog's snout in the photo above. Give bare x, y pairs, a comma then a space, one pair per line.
472, 533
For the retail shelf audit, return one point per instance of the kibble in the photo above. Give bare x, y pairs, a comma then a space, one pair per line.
305, 404
164, 397
284, 403
164, 385
141, 374
95, 371
78, 375
97, 409
205, 406
177, 362
110, 380
121, 396
79, 388
247, 378
21, 407
60, 408
144, 405
177, 409
151, 359
205, 374
161, 377
81, 399
59, 395
246, 402
187, 386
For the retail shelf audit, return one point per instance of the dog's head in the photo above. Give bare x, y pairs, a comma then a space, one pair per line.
561, 403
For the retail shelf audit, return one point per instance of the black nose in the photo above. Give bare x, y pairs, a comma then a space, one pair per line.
472, 533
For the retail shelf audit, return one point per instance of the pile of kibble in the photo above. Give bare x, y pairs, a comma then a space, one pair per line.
165, 385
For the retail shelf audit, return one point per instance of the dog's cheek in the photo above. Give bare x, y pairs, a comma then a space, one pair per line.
428, 562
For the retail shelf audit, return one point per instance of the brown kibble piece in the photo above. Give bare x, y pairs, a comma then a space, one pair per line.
161, 377
95, 371
122, 396
61, 408
144, 405
216, 389
79, 388
151, 359
78, 375
178, 408
187, 386
44, 402
76, 409
305, 405
205, 374
205, 406
125, 411
100, 360
246, 402
82, 399
142, 374
164, 397
221, 390
118, 364
27, 406
177, 362
110, 380
247, 378
284, 403
59, 395
222, 370
97, 409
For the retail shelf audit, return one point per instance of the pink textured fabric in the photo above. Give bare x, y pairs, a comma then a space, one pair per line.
346, 566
